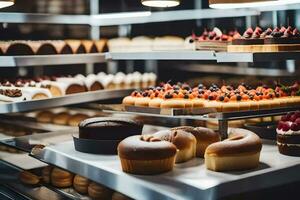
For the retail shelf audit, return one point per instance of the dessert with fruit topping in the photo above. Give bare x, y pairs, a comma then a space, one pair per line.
283, 36
222, 99
288, 134
250, 37
211, 40
276, 40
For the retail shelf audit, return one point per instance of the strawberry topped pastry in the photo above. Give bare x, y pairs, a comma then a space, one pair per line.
249, 37
224, 98
288, 134
211, 40
283, 35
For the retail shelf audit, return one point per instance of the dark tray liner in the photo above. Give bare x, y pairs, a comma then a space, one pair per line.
108, 147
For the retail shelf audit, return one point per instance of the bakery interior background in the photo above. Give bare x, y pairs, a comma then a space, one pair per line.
177, 28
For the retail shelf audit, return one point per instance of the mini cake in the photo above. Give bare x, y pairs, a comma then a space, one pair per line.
146, 155
29, 178
288, 134
97, 192
185, 143
61, 178
241, 151
81, 184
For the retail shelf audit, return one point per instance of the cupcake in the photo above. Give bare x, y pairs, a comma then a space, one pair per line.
146, 155
288, 134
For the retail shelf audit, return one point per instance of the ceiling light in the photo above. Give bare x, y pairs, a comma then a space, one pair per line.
228, 4
161, 3
6, 3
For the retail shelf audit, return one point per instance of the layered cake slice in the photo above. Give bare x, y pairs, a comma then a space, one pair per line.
288, 134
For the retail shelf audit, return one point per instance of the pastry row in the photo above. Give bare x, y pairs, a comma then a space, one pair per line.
146, 44
63, 179
222, 99
46, 47
47, 87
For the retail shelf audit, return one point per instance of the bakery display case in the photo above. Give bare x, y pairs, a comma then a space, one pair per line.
121, 101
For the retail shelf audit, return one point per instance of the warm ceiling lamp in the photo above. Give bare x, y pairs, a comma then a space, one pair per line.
161, 3
6, 3
227, 4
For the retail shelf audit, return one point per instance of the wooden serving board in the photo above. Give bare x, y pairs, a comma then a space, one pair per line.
263, 48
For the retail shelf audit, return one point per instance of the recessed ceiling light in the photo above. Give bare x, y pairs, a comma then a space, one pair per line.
161, 3
6, 3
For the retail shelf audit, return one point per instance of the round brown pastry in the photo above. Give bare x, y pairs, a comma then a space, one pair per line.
185, 143
81, 184
119, 196
146, 155
99, 192
61, 118
108, 128
29, 178
46, 173
45, 116
75, 119
129, 100
204, 136
16, 48
240, 151
61, 178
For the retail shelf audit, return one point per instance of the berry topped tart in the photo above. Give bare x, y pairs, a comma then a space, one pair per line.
214, 40
288, 134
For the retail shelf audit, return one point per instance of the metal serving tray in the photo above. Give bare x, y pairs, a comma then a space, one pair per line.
26, 143
61, 59
195, 113
190, 180
77, 98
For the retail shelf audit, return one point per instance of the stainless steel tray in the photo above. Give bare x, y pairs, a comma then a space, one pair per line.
195, 113
62, 101
26, 143
189, 180
62, 59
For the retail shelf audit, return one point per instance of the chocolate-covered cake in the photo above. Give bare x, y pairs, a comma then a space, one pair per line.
283, 36
288, 134
250, 37
108, 128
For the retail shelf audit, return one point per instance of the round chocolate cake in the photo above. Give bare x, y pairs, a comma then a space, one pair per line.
108, 128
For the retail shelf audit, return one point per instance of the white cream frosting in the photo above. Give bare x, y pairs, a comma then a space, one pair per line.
107, 80
129, 79
287, 144
289, 132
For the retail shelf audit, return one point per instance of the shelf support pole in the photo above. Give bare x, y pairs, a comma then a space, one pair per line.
223, 129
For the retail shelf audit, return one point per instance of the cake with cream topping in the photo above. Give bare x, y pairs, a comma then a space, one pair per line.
288, 134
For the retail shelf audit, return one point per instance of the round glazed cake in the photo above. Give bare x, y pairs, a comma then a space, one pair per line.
108, 128
288, 134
